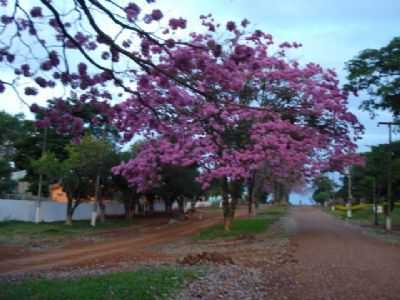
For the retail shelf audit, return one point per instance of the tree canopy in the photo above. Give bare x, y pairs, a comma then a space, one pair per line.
377, 72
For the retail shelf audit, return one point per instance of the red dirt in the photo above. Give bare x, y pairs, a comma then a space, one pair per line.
13, 252
337, 261
134, 244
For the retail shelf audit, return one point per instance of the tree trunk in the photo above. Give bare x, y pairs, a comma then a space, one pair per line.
229, 203
96, 202
150, 202
38, 217
168, 206
68, 219
228, 222
102, 215
281, 194
193, 201
181, 205
250, 192
130, 206
253, 205
127, 208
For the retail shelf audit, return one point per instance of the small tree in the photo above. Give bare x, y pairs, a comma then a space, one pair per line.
324, 189
49, 167
88, 163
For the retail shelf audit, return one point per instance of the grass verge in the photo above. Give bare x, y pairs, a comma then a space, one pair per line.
144, 284
19, 232
366, 215
240, 227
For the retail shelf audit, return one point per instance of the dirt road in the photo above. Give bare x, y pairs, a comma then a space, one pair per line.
133, 246
326, 258
339, 261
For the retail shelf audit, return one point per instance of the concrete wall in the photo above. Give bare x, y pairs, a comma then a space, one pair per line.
21, 210
24, 210
51, 211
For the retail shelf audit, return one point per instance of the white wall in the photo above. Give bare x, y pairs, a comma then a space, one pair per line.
24, 210
21, 210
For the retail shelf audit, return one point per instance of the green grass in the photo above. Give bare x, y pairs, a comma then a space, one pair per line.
144, 284
366, 215
15, 231
242, 227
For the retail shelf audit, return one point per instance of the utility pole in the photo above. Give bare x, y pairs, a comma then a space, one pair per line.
349, 193
38, 217
375, 201
388, 207
374, 196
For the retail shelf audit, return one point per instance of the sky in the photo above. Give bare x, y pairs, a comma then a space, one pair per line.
331, 31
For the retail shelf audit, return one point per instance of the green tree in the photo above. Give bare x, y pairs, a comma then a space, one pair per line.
374, 170
324, 189
11, 128
178, 183
7, 185
85, 171
377, 72
49, 166
29, 146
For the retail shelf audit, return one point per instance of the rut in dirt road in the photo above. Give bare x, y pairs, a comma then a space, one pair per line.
338, 261
104, 251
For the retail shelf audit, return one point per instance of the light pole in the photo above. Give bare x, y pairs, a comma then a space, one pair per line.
376, 223
349, 194
38, 217
374, 198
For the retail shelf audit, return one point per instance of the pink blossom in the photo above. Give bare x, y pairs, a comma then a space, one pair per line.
36, 12
177, 23
156, 14
132, 11
30, 91
230, 26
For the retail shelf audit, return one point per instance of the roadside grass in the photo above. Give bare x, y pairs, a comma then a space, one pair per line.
366, 215
16, 231
143, 284
243, 227
365, 218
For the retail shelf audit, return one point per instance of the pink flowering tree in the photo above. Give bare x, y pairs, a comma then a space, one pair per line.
231, 105
252, 107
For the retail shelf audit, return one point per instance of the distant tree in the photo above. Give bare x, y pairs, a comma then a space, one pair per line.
178, 183
7, 185
377, 72
324, 189
11, 128
374, 169
49, 167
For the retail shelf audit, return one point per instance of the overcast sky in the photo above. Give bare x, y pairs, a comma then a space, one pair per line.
331, 31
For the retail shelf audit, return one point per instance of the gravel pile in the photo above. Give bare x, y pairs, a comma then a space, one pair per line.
205, 258
227, 282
